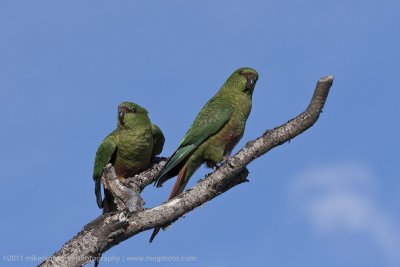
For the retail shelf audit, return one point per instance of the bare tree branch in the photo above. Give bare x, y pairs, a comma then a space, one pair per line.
110, 229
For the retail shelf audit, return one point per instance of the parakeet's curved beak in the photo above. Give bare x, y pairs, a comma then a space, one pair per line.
121, 115
251, 81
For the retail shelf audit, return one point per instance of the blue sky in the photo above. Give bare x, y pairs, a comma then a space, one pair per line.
329, 198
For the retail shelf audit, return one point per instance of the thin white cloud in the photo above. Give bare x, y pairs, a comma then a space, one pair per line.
341, 198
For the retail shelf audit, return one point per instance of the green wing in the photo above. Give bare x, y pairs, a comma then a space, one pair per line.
103, 156
208, 122
158, 140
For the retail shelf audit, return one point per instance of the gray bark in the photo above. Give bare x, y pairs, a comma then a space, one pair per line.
110, 229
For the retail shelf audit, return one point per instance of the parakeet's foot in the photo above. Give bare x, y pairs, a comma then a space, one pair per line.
225, 160
218, 165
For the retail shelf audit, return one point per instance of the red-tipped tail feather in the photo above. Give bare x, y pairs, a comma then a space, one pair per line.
180, 183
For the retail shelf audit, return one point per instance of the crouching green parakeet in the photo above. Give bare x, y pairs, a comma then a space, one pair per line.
216, 130
129, 148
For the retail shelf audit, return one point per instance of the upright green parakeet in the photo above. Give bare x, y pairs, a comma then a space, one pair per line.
129, 148
216, 130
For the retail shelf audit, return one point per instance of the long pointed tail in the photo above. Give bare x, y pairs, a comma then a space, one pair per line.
97, 191
178, 188
155, 232
97, 260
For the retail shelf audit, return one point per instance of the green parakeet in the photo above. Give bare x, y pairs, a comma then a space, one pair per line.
129, 148
216, 130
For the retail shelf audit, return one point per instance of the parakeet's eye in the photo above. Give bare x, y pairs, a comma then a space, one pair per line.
241, 72
133, 110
